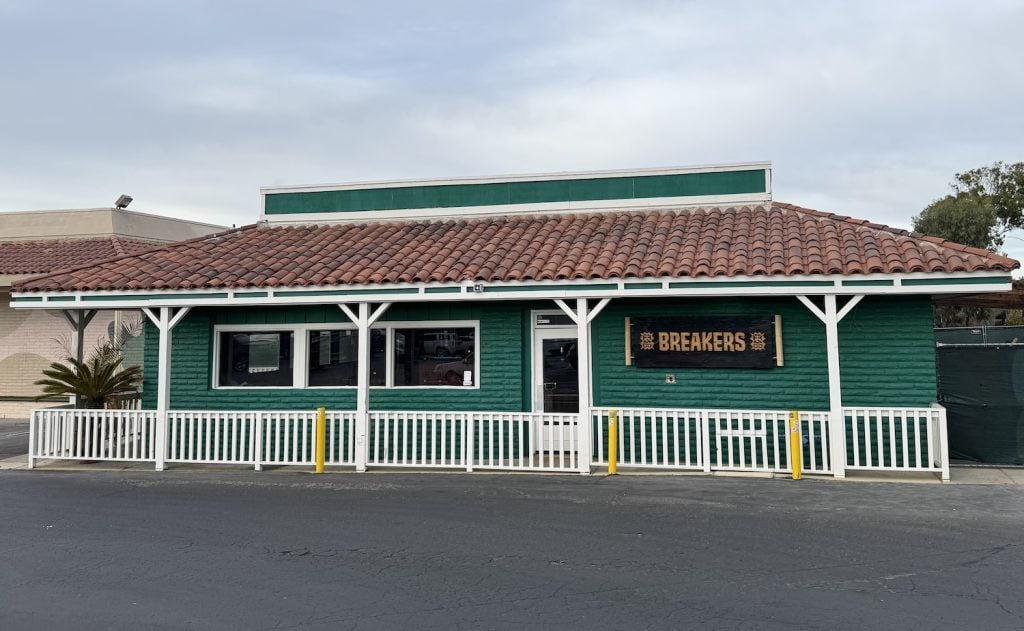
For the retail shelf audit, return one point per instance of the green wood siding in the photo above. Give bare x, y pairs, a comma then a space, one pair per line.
887, 353
887, 358
505, 193
501, 387
801, 383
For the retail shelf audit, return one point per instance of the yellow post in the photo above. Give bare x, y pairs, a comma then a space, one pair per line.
613, 442
796, 445
321, 438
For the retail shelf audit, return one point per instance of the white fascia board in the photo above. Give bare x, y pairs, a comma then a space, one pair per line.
724, 286
562, 208
527, 177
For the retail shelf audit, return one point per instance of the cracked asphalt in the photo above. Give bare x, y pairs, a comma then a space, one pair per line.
288, 550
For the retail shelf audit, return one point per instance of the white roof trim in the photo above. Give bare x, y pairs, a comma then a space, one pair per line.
723, 286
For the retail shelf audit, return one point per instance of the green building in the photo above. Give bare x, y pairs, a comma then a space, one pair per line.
502, 322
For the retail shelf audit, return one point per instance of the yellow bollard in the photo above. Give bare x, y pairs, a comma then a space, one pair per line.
796, 445
321, 438
613, 442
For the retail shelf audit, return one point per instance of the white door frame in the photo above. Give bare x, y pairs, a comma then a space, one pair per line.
539, 334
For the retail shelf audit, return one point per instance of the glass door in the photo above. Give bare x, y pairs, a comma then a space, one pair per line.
556, 371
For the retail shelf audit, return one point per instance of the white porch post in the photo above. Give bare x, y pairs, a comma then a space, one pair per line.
363, 320
165, 324
831, 316
583, 315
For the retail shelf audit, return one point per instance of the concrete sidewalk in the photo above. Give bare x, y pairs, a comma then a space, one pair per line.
963, 474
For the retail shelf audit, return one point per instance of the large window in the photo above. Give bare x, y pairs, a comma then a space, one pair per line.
256, 359
437, 356
333, 358
402, 354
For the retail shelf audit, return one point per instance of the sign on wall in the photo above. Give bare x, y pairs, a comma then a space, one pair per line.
704, 342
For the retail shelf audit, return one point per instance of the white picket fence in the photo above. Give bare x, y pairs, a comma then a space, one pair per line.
211, 437
474, 440
712, 440
481, 440
125, 435
878, 439
897, 439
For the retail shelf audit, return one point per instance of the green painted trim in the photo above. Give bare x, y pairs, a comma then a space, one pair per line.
251, 294
642, 285
349, 292
506, 193
166, 296
754, 283
443, 290
868, 283
557, 287
61, 299
27, 299
976, 280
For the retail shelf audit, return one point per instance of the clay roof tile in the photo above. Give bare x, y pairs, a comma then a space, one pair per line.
774, 239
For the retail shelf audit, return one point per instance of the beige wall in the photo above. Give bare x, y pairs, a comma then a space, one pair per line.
96, 223
28, 344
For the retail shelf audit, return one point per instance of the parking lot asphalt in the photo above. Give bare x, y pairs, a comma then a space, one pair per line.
233, 549
13, 438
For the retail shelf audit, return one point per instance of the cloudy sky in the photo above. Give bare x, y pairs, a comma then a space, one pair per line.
865, 108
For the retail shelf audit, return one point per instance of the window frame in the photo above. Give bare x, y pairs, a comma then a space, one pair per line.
254, 328
300, 351
390, 327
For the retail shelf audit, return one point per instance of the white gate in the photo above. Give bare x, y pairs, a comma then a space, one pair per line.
712, 440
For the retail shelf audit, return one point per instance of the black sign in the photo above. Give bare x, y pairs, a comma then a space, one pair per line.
702, 342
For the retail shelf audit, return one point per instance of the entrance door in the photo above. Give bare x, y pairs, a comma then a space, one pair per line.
556, 384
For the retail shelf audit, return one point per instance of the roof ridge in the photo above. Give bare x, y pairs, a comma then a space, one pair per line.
118, 246
902, 232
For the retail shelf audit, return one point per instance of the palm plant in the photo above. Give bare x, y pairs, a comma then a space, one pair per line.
95, 382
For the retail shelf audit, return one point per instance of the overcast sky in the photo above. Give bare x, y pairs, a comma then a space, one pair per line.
864, 108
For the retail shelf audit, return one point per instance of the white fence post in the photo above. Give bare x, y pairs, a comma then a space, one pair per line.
257, 447
467, 448
705, 439
32, 439
160, 440
943, 451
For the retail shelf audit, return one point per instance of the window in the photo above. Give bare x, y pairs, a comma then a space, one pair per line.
334, 361
255, 359
434, 356
402, 354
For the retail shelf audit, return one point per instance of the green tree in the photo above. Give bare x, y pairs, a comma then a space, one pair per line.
1000, 186
986, 203
961, 218
95, 382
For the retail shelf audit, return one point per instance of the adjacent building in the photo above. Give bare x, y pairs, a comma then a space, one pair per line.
39, 242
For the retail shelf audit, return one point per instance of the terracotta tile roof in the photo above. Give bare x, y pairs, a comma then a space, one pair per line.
779, 239
42, 257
